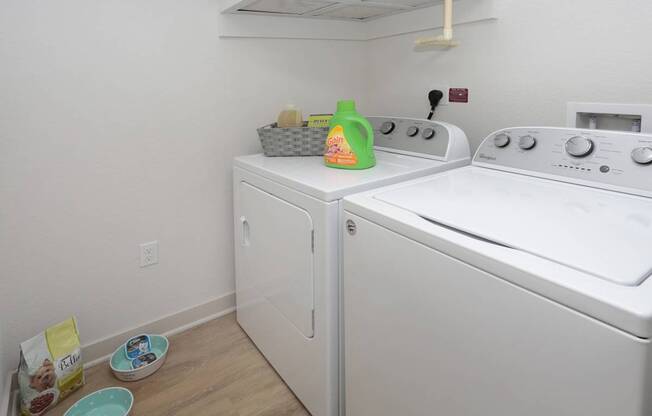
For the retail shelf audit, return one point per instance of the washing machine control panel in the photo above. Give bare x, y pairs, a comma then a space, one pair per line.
604, 159
412, 136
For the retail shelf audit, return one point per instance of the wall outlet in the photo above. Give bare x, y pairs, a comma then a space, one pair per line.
148, 253
458, 95
441, 87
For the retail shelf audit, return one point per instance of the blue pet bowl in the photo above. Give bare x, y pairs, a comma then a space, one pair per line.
121, 365
112, 401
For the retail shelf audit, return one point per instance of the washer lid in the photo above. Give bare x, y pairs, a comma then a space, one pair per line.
602, 233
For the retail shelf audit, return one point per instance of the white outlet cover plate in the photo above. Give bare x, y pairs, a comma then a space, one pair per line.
148, 253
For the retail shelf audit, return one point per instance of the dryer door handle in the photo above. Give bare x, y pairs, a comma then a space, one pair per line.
245, 231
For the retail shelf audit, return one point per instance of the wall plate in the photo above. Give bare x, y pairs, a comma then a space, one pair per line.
609, 116
458, 95
148, 253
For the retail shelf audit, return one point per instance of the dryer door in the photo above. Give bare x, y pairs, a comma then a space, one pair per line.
276, 260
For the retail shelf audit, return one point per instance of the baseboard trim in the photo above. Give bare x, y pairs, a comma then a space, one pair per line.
6, 398
100, 351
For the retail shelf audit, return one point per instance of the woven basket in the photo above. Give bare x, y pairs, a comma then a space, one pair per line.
293, 141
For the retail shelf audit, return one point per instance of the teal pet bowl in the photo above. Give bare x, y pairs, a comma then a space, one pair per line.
113, 401
121, 365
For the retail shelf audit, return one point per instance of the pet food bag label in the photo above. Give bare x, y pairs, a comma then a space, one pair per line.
50, 368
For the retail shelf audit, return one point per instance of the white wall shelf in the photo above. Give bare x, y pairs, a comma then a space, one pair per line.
349, 10
342, 20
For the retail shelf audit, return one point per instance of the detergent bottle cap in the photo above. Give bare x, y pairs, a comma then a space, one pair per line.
346, 105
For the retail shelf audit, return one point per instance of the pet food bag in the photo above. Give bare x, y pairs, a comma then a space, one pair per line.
50, 368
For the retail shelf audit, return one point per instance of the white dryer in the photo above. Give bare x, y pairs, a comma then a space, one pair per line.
517, 286
287, 246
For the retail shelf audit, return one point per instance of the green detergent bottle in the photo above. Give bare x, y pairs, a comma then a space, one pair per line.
350, 142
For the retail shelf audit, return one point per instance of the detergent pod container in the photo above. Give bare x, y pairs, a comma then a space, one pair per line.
350, 141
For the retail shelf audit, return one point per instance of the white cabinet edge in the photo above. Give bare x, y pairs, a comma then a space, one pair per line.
429, 18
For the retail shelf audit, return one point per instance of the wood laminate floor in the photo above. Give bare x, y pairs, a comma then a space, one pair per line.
213, 369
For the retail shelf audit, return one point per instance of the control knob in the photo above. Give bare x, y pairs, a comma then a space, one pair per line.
412, 131
387, 127
642, 155
502, 140
428, 133
527, 142
579, 146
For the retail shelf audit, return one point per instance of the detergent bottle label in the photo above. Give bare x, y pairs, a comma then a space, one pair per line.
338, 149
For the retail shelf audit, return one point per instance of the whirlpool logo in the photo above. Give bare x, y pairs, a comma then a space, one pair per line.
485, 157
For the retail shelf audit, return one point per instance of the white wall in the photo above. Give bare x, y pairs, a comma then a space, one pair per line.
3, 373
524, 67
118, 123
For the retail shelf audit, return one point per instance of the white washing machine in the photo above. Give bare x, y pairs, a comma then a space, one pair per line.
287, 246
519, 285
